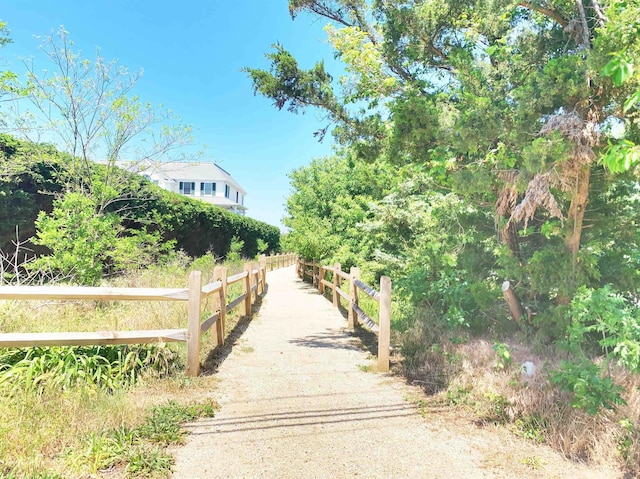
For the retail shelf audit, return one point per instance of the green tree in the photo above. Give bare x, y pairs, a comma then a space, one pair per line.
500, 103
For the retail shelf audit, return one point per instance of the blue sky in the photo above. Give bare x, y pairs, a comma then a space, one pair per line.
192, 54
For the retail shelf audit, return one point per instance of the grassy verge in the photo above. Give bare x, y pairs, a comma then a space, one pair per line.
101, 411
509, 384
81, 434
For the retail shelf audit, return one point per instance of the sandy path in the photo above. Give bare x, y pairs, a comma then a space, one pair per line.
296, 404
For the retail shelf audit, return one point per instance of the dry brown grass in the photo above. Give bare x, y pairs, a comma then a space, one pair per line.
530, 406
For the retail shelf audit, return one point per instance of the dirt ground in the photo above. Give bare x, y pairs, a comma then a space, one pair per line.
296, 401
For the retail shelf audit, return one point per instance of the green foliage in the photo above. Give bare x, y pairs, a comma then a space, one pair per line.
606, 317
495, 408
503, 356
603, 322
531, 427
480, 117
85, 244
290, 86
38, 475
198, 227
106, 367
162, 425
626, 441
235, 249
124, 225
29, 178
261, 246
590, 389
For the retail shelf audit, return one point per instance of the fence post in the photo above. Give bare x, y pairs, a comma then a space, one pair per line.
247, 290
221, 273
320, 278
353, 293
270, 262
262, 266
336, 285
256, 280
193, 323
314, 281
384, 324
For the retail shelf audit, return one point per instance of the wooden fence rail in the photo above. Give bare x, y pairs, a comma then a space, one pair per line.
317, 273
254, 280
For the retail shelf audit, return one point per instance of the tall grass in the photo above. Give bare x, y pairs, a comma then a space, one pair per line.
70, 411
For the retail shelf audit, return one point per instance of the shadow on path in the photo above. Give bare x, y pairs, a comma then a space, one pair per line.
368, 339
218, 354
301, 418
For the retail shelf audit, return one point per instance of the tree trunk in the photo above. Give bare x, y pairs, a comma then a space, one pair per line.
515, 307
510, 238
575, 219
577, 209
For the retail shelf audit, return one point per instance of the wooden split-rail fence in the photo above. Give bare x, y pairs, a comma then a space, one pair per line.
382, 328
253, 278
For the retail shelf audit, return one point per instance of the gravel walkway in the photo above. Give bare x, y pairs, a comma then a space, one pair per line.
295, 403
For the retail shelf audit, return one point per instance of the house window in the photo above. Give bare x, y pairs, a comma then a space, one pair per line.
237, 197
227, 191
187, 187
242, 200
207, 189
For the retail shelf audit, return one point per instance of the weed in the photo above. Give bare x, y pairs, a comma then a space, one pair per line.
458, 395
503, 356
494, 408
626, 440
147, 461
162, 426
139, 450
368, 368
12, 475
530, 427
533, 462
590, 390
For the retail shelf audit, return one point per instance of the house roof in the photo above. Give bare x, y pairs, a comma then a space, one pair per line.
188, 170
183, 170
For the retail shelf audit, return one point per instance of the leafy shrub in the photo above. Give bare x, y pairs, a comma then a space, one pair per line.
606, 317
197, 227
85, 244
235, 249
591, 390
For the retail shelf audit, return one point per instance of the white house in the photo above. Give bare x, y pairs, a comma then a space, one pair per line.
204, 181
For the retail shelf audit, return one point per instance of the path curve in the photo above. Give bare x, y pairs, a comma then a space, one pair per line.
295, 402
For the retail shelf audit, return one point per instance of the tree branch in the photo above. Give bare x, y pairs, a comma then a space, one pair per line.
585, 24
546, 12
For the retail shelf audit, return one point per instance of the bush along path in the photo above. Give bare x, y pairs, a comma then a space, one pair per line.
297, 401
